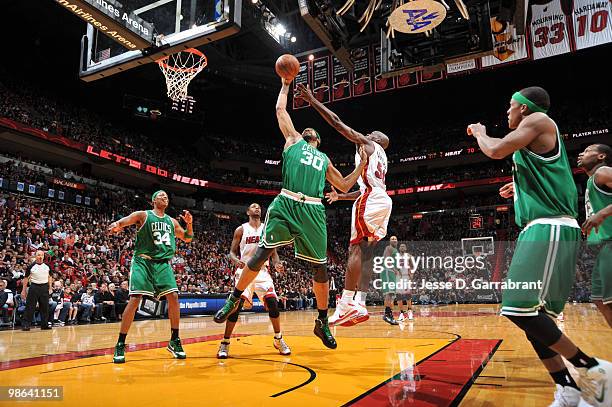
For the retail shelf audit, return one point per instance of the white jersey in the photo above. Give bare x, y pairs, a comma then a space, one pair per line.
262, 286
249, 242
376, 170
592, 25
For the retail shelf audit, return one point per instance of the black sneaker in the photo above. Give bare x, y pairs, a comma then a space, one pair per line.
231, 305
390, 320
321, 330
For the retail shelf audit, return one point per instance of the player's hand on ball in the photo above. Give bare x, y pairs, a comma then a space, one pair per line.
280, 267
304, 92
332, 196
114, 228
476, 130
507, 191
285, 82
592, 222
187, 217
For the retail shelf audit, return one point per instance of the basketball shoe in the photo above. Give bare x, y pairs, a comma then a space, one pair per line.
596, 384
119, 356
566, 396
359, 317
223, 352
175, 347
321, 330
281, 345
343, 312
231, 305
410, 315
388, 318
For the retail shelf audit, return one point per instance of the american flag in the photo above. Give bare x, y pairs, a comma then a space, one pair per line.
104, 54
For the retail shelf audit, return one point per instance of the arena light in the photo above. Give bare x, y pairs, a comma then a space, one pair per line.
310, 57
280, 29
254, 1
293, 39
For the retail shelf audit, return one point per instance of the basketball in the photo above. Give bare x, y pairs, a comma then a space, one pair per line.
287, 67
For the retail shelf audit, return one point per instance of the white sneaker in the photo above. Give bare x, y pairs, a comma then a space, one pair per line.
560, 317
410, 315
282, 346
401, 317
566, 396
223, 351
359, 317
343, 313
596, 384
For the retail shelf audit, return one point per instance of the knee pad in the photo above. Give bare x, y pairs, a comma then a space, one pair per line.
234, 317
544, 352
540, 327
259, 258
320, 273
272, 304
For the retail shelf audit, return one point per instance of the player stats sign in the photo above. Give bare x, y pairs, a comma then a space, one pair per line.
321, 79
303, 77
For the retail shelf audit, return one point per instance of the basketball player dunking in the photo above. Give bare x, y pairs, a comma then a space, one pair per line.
546, 207
244, 245
596, 160
297, 215
150, 271
370, 216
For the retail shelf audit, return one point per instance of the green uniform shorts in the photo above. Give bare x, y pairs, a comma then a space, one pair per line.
151, 277
601, 279
302, 223
545, 256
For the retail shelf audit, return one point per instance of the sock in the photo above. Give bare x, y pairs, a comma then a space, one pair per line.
322, 314
360, 297
582, 360
278, 335
237, 293
347, 296
388, 311
122, 338
564, 378
174, 333
225, 340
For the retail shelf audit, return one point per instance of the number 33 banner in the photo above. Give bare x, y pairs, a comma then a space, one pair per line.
549, 30
591, 23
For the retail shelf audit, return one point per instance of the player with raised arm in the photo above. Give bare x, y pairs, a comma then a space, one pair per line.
244, 245
596, 160
297, 214
546, 207
370, 215
150, 271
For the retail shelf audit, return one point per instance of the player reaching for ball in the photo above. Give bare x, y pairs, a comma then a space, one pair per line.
370, 215
150, 271
297, 214
546, 208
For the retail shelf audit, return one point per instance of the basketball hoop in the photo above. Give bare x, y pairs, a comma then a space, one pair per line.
179, 69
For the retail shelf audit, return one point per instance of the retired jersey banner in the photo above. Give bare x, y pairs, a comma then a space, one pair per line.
407, 79
455, 68
381, 84
591, 23
362, 82
303, 76
431, 76
507, 46
321, 79
549, 30
341, 81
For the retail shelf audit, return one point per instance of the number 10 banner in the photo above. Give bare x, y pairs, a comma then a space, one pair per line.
550, 35
591, 23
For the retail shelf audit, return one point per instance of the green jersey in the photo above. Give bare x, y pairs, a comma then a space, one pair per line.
304, 169
543, 186
595, 199
156, 237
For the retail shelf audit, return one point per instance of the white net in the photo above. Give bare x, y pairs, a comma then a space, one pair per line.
179, 69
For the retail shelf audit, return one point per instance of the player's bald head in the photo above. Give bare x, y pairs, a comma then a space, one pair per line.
380, 138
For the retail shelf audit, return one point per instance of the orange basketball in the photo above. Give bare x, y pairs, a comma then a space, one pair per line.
287, 67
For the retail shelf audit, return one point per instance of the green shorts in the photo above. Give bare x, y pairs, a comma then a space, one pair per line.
150, 277
544, 258
302, 223
388, 281
601, 279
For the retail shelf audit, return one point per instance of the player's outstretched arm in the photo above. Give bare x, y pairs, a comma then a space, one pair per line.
284, 120
527, 131
334, 196
234, 254
345, 184
602, 178
185, 235
333, 119
134, 218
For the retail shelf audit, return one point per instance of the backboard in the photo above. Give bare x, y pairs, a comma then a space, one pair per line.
178, 25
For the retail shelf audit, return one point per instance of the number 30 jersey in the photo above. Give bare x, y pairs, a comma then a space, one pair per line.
155, 238
373, 175
304, 169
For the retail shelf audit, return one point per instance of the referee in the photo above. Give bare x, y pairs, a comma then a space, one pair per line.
40, 287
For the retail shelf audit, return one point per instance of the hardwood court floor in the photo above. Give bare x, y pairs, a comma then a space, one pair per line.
450, 355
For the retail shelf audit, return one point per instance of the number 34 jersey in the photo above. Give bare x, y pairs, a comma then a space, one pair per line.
155, 238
